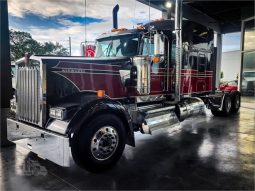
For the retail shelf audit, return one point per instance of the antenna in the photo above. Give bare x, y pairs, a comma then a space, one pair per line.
134, 14
85, 21
150, 25
149, 11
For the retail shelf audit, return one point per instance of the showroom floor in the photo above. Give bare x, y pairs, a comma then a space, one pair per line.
203, 153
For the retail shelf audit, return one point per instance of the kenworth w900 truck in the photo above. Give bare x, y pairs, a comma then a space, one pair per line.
141, 79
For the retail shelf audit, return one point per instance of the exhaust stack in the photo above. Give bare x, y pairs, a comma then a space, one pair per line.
115, 16
178, 54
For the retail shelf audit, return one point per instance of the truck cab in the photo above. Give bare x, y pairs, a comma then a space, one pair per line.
91, 107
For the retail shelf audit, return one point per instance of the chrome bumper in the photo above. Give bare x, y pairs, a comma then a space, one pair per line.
45, 144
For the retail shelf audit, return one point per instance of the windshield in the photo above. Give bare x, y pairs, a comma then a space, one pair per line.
249, 74
118, 46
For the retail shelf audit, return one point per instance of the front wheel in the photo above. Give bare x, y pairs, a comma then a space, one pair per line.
99, 144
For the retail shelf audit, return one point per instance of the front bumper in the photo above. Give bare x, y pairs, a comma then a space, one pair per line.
45, 144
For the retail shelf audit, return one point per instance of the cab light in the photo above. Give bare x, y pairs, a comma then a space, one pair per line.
140, 27
118, 30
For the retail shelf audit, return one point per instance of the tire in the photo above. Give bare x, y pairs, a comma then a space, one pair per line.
226, 108
100, 144
235, 102
216, 112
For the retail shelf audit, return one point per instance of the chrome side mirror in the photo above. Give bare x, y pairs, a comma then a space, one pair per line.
159, 45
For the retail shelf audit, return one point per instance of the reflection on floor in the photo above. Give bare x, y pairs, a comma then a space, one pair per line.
203, 153
248, 102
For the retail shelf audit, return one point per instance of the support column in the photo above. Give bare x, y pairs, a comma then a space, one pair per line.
240, 75
5, 71
218, 61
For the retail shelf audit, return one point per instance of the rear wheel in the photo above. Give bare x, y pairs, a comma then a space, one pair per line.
100, 144
226, 108
216, 112
236, 100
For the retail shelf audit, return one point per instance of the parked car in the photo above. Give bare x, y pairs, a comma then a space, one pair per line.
229, 86
248, 82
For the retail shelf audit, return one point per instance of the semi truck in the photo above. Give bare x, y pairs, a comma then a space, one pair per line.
143, 79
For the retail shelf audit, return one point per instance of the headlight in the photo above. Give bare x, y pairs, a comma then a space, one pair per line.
58, 113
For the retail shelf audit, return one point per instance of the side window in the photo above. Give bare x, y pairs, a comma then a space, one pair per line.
124, 47
190, 61
185, 60
173, 52
202, 63
208, 65
193, 61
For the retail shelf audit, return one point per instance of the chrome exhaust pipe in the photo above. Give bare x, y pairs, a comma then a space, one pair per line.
178, 53
115, 16
189, 107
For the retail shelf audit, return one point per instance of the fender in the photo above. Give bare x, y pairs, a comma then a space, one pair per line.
234, 92
97, 107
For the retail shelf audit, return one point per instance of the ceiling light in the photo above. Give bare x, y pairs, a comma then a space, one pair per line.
168, 4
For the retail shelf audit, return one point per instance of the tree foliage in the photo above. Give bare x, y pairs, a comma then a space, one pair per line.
22, 42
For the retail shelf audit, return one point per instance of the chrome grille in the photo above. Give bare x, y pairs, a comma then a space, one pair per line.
28, 94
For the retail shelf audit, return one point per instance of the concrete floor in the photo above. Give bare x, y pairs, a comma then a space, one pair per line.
203, 153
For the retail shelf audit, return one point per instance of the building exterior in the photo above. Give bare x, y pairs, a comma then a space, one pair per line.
230, 67
247, 81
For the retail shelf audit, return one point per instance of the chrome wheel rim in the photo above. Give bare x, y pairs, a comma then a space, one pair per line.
228, 104
104, 143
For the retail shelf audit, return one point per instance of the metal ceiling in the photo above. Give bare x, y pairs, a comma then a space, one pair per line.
222, 16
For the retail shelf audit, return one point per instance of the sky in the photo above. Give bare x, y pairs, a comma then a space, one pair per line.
231, 42
56, 20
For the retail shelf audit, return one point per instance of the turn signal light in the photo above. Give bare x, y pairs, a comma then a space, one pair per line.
100, 93
155, 59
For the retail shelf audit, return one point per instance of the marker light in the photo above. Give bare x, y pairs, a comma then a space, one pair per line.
155, 59
100, 93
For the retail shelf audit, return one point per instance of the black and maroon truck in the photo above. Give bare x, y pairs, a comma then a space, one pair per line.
139, 80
